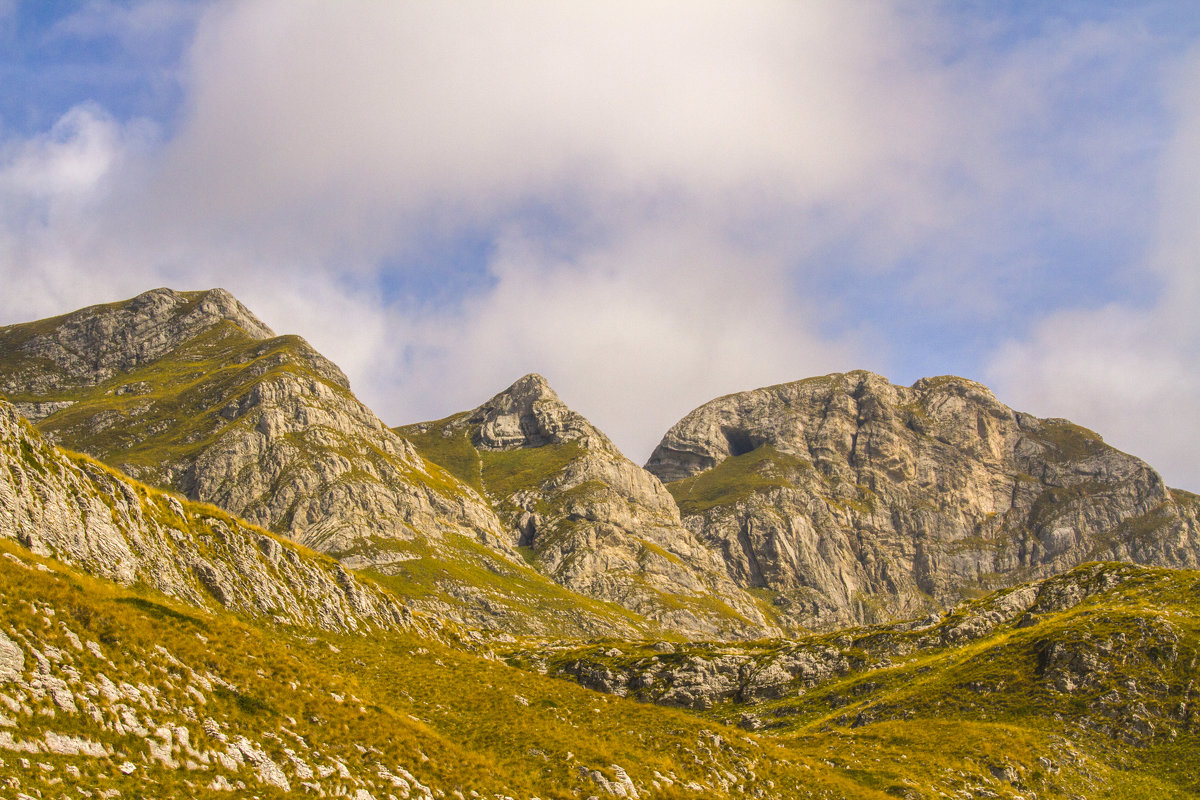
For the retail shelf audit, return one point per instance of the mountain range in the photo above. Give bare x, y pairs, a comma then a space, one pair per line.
224, 573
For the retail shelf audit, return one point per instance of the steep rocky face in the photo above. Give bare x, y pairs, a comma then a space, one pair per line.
588, 517
90, 346
189, 390
856, 500
81, 513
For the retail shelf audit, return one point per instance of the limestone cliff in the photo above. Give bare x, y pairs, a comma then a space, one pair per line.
81, 513
587, 516
855, 500
189, 390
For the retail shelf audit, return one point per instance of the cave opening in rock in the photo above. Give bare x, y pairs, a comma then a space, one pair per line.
739, 442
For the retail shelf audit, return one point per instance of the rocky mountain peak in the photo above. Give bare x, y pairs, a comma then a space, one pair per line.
91, 345
528, 414
199, 310
797, 418
858, 499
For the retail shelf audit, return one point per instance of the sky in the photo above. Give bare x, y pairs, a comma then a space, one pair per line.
650, 203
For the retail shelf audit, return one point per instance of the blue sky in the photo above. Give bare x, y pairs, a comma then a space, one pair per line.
650, 203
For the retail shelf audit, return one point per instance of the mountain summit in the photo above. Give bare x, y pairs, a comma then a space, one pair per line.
586, 516
90, 346
854, 500
527, 414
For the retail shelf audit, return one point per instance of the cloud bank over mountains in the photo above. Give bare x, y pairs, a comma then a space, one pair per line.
649, 203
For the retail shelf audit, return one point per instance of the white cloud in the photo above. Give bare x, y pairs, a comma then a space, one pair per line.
53, 190
358, 117
1133, 373
666, 186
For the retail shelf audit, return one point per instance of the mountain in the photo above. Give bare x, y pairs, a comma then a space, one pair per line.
824, 502
154, 685
854, 500
156, 646
190, 391
585, 515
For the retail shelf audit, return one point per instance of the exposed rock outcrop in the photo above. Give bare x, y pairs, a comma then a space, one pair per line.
593, 520
90, 346
1047, 655
84, 514
189, 390
856, 500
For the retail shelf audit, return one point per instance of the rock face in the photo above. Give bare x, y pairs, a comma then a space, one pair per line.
189, 390
81, 513
90, 346
855, 500
591, 519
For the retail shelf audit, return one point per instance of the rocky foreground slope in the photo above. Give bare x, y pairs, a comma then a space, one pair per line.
855, 500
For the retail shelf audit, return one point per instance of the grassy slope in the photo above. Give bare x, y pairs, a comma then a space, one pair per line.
519, 588
459, 721
455, 720
494, 474
911, 713
737, 478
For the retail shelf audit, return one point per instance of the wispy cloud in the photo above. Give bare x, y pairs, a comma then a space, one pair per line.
1131, 370
654, 203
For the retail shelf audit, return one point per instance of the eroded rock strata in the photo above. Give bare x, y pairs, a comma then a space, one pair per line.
855, 500
588, 517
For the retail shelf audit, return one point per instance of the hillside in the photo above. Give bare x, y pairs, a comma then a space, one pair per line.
114, 689
1097, 664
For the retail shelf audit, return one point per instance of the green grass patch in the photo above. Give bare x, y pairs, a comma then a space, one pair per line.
737, 478
506, 472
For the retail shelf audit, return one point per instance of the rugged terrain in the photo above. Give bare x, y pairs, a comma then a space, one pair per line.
855, 500
825, 502
155, 646
587, 516
1079, 686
